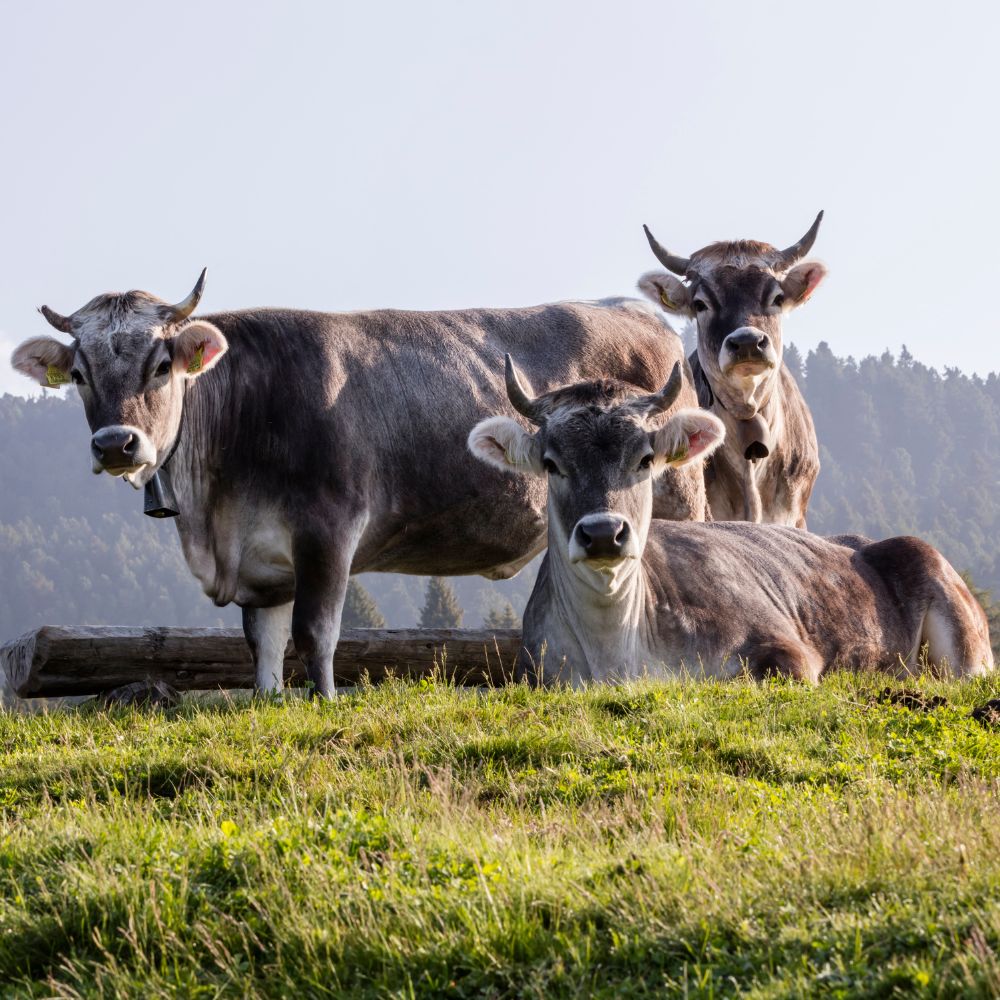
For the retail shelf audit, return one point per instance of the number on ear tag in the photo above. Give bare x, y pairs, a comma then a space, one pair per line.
667, 301
195, 364
56, 376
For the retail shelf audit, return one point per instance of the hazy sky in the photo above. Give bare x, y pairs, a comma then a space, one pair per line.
435, 155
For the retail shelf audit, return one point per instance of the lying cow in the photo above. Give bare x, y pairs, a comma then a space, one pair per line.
619, 595
737, 293
304, 446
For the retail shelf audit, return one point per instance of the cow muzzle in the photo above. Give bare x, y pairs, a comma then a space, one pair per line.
747, 352
121, 450
602, 540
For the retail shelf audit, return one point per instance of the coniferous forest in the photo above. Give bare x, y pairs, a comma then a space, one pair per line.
905, 449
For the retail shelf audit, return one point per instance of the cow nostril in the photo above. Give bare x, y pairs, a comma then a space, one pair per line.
585, 540
130, 445
622, 537
763, 343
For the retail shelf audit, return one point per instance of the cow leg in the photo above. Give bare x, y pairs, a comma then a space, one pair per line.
785, 658
266, 631
753, 508
955, 631
322, 570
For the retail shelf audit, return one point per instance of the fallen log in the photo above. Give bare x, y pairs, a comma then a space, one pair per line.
54, 661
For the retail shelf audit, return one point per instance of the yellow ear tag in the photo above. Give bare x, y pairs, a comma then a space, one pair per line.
679, 455
667, 301
195, 364
56, 376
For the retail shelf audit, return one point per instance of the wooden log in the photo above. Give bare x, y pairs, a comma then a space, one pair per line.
56, 661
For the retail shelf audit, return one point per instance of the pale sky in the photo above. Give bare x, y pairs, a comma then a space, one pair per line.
352, 155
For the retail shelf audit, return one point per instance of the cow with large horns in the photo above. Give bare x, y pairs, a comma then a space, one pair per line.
619, 595
737, 294
303, 446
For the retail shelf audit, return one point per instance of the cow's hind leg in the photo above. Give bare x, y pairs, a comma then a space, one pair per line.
322, 570
784, 658
267, 631
954, 630
941, 615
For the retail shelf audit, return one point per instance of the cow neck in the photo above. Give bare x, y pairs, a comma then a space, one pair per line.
180, 431
190, 457
760, 409
754, 443
753, 436
605, 636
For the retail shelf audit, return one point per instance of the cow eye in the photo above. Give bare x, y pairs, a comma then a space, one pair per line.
550, 467
163, 368
76, 376
700, 305
646, 461
778, 301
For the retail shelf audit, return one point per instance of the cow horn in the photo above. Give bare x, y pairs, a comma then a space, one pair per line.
519, 397
679, 265
658, 402
184, 309
795, 253
62, 323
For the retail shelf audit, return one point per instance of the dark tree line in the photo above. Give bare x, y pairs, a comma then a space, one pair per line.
904, 449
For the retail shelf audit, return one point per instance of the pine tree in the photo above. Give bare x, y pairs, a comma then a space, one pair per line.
360, 609
793, 361
502, 617
441, 608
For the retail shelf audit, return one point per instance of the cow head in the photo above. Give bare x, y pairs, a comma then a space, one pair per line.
600, 447
737, 293
131, 357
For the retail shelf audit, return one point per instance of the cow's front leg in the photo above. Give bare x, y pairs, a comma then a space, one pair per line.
322, 569
267, 631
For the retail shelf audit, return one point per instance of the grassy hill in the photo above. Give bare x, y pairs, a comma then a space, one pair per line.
415, 840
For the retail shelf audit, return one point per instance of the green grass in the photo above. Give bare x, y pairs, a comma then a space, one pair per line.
414, 840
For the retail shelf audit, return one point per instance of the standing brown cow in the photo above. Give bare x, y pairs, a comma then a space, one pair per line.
737, 293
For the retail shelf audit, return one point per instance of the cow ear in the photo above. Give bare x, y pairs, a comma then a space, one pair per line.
688, 436
197, 347
667, 292
45, 360
801, 281
505, 444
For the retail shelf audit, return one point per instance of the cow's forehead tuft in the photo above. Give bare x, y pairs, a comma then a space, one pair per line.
119, 317
734, 253
589, 424
600, 393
